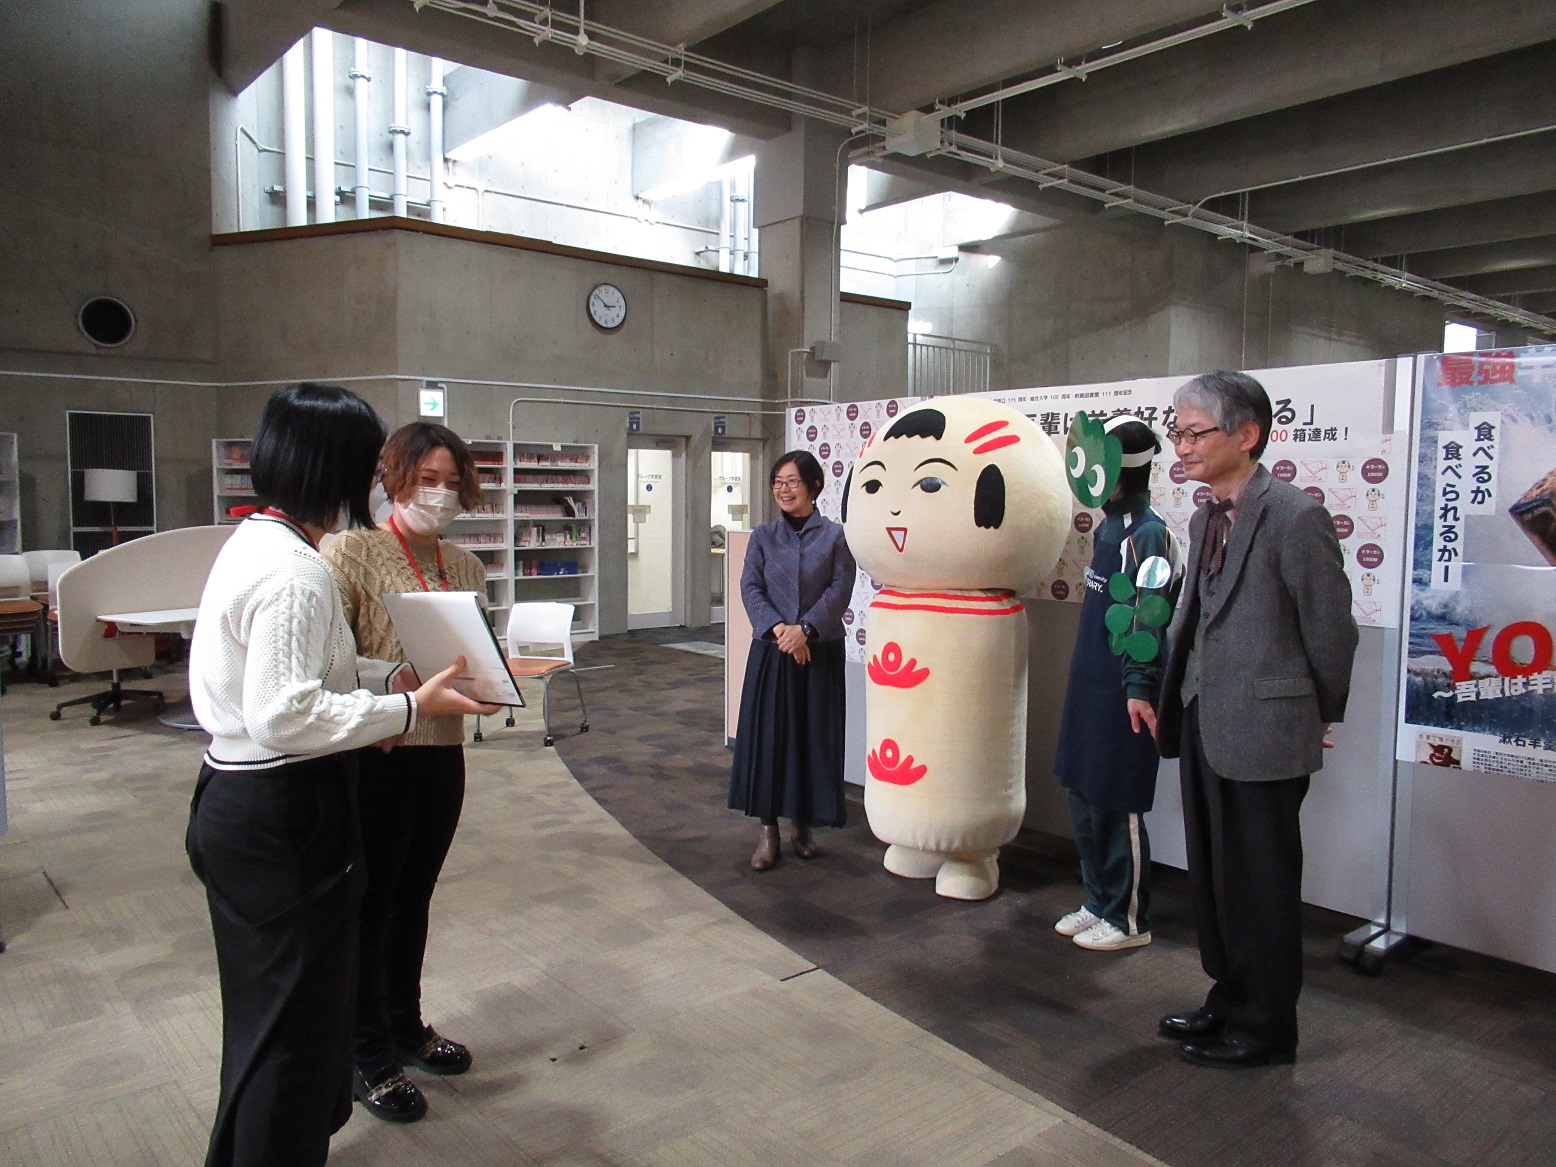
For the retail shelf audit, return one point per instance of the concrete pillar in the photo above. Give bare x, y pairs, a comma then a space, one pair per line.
800, 180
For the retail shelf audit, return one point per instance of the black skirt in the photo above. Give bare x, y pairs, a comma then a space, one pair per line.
789, 744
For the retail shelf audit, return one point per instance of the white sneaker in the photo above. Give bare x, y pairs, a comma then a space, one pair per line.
1077, 921
1104, 937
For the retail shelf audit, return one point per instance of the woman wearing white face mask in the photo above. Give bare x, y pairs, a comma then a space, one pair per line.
413, 793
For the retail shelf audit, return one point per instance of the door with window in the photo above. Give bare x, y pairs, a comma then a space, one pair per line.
733, 505
656, 591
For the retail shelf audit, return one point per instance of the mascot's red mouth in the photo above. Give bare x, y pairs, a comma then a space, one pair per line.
898, 537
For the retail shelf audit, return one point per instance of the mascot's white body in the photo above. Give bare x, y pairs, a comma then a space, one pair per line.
955, 508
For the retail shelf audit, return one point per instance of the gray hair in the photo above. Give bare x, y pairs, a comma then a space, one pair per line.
1232, 399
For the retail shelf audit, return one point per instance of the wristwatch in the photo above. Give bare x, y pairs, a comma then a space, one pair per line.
809, 630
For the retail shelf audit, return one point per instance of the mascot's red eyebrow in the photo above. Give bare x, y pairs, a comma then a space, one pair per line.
998, 443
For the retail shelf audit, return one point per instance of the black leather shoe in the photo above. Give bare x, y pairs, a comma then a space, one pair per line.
392, 1097
1189, 1026
436, 1054
1237, 1052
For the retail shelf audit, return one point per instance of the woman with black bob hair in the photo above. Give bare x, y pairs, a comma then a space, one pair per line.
275, 680
797, 580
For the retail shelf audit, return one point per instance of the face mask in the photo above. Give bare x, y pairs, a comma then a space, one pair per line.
430, 510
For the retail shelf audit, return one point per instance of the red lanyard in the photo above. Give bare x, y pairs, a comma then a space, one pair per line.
291, 522
442, 575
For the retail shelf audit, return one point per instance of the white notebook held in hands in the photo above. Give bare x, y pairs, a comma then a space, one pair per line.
436, 628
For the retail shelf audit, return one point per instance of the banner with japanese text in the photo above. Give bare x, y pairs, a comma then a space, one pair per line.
1329, 438
1480, 690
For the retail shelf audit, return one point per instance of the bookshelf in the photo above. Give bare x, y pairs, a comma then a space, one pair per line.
485, 530
554, 546
230, 484
10, 497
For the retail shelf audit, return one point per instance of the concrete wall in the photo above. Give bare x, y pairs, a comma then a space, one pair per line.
1075, 304
105, 166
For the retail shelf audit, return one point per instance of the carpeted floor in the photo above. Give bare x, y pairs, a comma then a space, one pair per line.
1448, 1058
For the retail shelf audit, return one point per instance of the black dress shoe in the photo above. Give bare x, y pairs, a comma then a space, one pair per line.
390, 1097
1237, 1052
435, 1054
1189, 1026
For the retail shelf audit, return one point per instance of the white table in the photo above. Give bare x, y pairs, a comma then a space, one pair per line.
176, 621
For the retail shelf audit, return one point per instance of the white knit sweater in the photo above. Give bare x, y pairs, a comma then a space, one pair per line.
273, 670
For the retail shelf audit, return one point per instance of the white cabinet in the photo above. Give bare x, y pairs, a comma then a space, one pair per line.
10, 499
554, 488
230, 483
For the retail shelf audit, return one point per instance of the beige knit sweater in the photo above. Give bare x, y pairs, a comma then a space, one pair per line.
368, 563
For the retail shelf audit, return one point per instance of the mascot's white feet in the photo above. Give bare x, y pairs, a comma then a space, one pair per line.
968, 878
911, 863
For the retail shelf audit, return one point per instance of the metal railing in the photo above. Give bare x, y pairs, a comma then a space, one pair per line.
938, 365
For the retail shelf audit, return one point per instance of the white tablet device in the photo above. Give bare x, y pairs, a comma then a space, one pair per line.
436, 628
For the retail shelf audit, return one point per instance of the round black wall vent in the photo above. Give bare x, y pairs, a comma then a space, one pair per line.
106, 321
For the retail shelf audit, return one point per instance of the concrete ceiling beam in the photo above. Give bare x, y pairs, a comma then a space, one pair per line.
1492, 97
1520, 167
671, 22
889, 190
1511, 255
470, 42
253, 34
1520, 217
949, 174
946, 48
1543, 302
1305, 55
1511, 283
479, 102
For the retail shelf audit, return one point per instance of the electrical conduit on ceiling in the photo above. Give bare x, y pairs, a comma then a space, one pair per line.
541, 23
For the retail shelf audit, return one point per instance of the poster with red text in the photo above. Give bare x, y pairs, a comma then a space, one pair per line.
1329, 438
1480, 688
835, 434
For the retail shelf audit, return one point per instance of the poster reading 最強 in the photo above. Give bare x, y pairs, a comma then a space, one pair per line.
1480, 690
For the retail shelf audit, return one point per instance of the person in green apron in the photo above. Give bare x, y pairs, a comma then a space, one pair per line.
1106, 758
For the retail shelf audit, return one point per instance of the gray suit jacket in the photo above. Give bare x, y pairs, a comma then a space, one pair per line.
1275, 658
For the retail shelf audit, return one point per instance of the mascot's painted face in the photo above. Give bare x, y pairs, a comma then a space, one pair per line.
959, 492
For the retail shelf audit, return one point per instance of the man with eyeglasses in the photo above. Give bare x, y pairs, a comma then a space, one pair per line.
1259, 666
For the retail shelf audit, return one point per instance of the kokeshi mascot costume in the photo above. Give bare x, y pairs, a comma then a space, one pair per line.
956, 508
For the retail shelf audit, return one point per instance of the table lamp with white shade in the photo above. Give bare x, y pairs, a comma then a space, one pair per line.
111, 486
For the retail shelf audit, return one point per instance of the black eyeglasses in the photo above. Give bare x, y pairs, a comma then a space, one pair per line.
1190, 437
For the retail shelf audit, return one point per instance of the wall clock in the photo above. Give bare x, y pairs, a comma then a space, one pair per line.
607, 306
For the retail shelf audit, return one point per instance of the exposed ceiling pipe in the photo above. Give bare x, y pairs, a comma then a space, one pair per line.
294, 129
323, 126
1230, 18
436, 92
543, 24
400, 130
361, 91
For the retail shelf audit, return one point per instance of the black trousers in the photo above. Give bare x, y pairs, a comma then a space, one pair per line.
409, 808
277, 852
1244, 842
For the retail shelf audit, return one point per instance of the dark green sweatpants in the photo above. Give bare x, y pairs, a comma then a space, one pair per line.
1115, 864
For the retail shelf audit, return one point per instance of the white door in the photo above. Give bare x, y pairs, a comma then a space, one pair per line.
655, 533
734, 499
